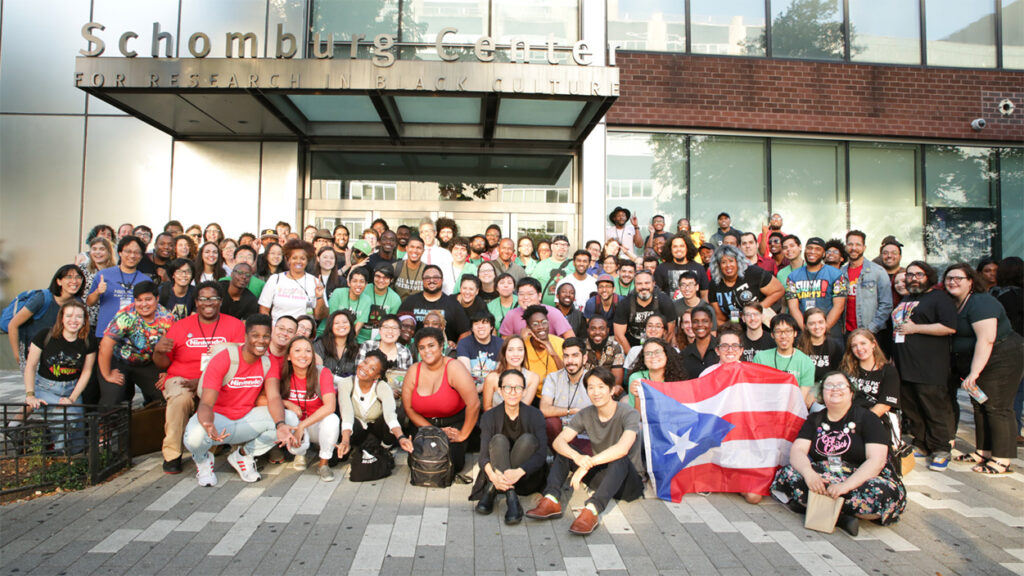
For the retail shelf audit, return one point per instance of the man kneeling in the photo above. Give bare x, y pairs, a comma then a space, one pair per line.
612, 427
227, 412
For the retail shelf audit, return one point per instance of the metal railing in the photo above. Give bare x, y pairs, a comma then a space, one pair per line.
69, 447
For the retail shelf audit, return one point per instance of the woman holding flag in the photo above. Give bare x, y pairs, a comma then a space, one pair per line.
841, 452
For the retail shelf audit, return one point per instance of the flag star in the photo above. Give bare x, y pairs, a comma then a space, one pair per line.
680, 444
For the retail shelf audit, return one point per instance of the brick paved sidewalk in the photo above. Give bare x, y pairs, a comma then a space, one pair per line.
145, 522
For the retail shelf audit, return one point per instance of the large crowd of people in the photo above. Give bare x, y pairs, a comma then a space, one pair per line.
527, 351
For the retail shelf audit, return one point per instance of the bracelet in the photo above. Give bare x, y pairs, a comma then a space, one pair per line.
402, 437
278, 423
30, 394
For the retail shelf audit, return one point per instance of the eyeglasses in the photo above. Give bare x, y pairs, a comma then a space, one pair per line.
204, 299
654, 353
783, 332
512, 389
730, 346
953, 279
431, 278
390, 328
921, 275
185, 273
835, 386
538, 323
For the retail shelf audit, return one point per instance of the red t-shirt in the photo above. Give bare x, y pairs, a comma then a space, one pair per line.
297, 392
851, 297
239, 396
192, 340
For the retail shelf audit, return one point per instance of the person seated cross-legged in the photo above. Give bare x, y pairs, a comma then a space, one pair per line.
227, 412
612, 427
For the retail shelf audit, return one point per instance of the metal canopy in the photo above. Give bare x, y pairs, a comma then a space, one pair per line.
351, 101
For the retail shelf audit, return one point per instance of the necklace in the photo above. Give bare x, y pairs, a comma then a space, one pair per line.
960, 308
775, 364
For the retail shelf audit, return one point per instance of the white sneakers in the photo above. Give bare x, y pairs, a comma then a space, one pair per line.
204, 472
245, 465
300, 462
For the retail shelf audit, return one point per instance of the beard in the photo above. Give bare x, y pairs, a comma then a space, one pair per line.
916, 288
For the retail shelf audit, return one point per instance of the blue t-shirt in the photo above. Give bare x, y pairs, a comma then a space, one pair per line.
815, 289
35, 304
483, 358
118, 294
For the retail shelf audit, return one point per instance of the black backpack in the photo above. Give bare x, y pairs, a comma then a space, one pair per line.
430, 463
370, 462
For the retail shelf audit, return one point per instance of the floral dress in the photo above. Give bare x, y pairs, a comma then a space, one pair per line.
837, 450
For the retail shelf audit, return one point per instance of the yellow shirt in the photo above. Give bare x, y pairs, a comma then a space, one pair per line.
541, 363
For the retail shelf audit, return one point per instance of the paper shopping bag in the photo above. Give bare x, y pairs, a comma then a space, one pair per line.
822, 512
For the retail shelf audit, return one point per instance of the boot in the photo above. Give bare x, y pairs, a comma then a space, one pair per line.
514, 513
486, 504
849, 524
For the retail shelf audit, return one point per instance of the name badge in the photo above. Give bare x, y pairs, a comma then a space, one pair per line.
124, 301
835, 464
203, 361
899, 338
808, 304
374, 334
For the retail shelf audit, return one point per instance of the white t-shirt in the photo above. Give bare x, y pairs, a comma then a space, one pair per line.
624, 236
583, 288
287, 296
438, 256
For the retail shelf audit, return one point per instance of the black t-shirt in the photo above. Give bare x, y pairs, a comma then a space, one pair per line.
376, 259
692, 361
846, 438
924, 359
1013, 302
456, 322
487, 296
512, 429
880, 386
826, 357
746, 290
62, 361
179, 306
246, 305
666, 276
633, 315
474, 307
751, 347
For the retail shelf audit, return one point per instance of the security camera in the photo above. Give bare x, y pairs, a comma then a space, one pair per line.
978, 124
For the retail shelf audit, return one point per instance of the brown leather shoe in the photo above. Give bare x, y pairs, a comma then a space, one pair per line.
545, 509
585, 523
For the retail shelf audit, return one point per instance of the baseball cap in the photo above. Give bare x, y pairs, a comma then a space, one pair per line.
560, 238
891, 240
815, 241
605, 278
362, 246
268, 233
325, 234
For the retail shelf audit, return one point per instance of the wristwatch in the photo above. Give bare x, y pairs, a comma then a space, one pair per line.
278, 423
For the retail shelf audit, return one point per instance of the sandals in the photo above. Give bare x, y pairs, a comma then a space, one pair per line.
970, 457
992, 468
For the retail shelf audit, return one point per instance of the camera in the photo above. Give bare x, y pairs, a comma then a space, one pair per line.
978, 124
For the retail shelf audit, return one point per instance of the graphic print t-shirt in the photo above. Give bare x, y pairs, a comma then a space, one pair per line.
846, 438
62, 361
238, 396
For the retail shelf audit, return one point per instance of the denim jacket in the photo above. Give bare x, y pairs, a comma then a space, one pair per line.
874, 296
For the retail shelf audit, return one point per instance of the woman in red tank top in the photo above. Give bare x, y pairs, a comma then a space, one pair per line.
440, 392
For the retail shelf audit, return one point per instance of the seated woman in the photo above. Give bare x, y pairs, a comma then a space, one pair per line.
512, 357
841, 451
654, 327
59, 364
336, 348
876, 384
438, 391
309, 392
368, 407
512, 455
658, 363
435, 319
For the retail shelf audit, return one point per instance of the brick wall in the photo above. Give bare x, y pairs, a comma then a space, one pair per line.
711, 92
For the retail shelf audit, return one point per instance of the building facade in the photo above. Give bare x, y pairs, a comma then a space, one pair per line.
536, 115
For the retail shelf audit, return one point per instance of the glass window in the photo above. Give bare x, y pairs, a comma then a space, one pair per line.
646, 173
291, 14
809, 187
346, 17
885, 31
884, 196
1011, 185
727, 174
421, 21
807, 29
533, 21
656, 25
216, 19
959, 193
1013, 33
961, 33
735, 27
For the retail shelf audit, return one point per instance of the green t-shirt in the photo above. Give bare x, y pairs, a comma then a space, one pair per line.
799, 365
255, 284
376, 308
499, 312
543, 273
783, 274
640, 375
468, 269
622, 290
528, 267
340, 301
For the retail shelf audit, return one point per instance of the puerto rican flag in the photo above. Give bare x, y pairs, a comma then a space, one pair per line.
727, 431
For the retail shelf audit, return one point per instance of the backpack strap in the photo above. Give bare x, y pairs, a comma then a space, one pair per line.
232, 365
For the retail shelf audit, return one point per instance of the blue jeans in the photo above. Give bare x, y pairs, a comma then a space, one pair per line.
255, 430
51, 391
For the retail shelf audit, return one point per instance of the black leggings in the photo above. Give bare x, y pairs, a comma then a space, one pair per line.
994, 422
378, 428
144, 377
